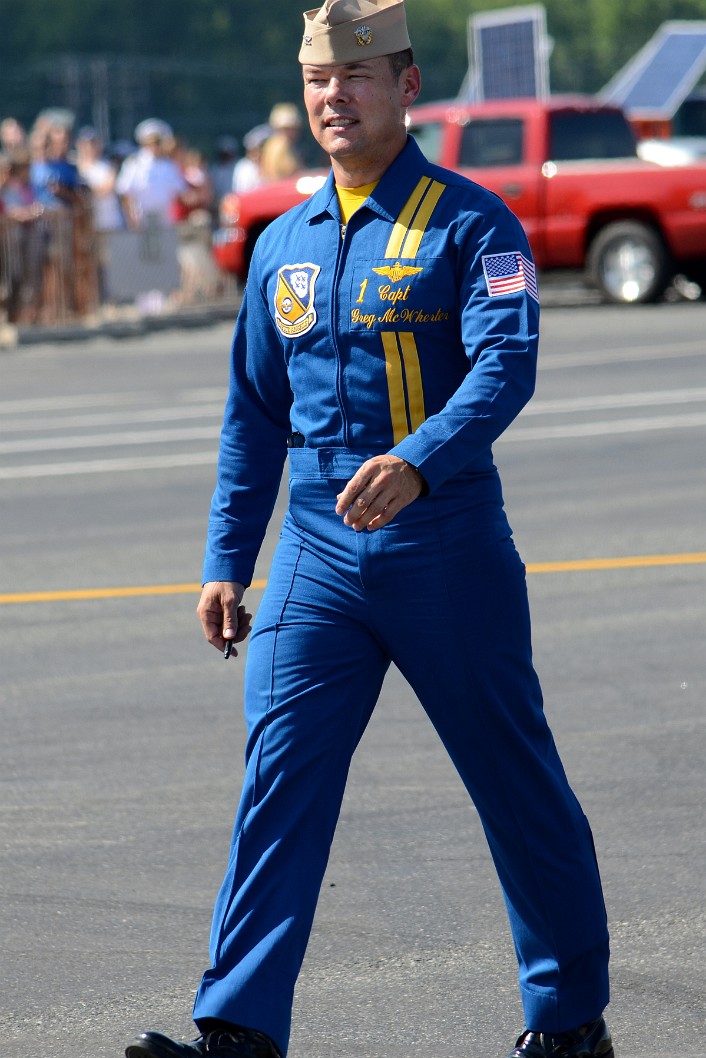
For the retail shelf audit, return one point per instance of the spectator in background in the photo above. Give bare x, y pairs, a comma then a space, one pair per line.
198, 193
223, 166
55, 179
12, 136
16, 193
99, 176
117, 152
280, 157
5, 258
150, 181
246, 174
25, 238
56, 184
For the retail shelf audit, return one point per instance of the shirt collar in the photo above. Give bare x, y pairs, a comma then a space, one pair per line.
395, 186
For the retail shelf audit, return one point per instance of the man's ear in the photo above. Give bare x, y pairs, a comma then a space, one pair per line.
411, 82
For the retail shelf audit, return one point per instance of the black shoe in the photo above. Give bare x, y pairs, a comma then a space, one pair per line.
235, 1042
590, 1041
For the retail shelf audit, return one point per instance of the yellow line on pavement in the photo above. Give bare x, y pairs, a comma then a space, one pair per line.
693, 558
107, 593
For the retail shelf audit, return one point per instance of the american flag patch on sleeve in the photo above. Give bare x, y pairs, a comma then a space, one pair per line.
509, 273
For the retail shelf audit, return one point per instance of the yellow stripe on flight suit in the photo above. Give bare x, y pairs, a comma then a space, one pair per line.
401, 356
395, 386
404, 221
402, 365
415, 393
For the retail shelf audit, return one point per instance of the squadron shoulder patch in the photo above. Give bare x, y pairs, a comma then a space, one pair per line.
295, 313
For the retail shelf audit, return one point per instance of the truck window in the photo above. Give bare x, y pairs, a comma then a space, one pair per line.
491, 143
690, 118
428, 136
575, 134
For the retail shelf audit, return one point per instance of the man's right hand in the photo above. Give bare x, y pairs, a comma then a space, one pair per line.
221, 614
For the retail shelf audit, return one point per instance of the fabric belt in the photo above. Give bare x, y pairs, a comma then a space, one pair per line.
326, 462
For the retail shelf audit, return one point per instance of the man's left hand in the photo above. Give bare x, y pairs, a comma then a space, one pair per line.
378, 491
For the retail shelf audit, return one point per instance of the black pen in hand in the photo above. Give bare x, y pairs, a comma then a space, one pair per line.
227, 648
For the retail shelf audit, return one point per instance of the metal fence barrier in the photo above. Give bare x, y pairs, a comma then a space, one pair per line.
56, 269
48, 266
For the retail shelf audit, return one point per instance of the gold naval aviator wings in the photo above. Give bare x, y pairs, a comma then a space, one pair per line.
404, 377
397, 271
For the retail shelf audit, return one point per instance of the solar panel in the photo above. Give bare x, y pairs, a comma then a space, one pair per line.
509, 53
658, 79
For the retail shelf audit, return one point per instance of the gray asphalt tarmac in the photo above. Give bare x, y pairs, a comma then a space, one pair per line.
122, 741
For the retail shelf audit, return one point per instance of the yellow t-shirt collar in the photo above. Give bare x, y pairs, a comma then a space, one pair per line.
352, 198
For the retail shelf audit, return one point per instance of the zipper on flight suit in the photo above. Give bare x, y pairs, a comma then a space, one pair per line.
340, 251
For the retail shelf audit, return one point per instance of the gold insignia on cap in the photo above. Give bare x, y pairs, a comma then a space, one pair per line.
364, 36
398, 271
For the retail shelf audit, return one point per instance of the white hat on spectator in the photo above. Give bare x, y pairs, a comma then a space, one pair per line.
57, 117
256, 137
153, 129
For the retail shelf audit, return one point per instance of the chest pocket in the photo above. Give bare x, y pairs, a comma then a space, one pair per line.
409, 288
412, 295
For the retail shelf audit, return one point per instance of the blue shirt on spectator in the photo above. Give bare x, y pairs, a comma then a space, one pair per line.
46, 176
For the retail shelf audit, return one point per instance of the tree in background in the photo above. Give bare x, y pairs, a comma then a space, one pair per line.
211, 66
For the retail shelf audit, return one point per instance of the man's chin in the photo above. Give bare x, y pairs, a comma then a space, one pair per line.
338, 142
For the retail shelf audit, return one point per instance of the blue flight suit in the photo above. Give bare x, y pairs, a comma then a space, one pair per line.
412, 330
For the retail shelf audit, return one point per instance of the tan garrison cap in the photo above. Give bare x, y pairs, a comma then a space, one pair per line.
344, 31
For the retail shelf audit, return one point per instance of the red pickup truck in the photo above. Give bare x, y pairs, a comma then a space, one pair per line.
568, 167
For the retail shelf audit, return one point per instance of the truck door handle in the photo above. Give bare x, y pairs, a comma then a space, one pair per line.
512, 190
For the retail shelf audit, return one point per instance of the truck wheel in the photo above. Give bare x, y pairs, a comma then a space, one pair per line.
628, 262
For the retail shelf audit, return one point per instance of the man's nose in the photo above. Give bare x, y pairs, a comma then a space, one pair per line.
334, 90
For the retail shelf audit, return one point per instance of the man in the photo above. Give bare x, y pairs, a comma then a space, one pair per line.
388, 336
150, 183
12, 136
222, 168
54, 177
99, 175
246, 174
280, 156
